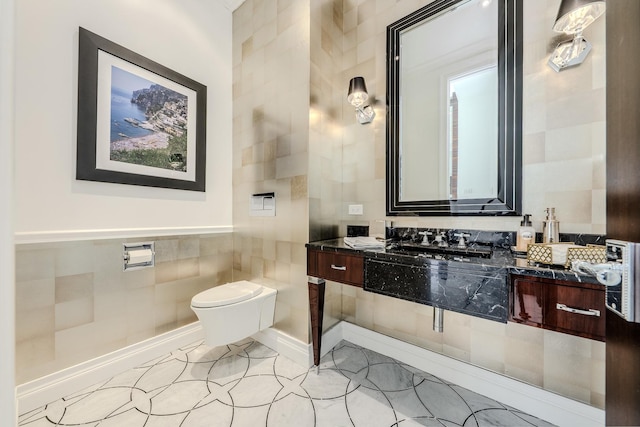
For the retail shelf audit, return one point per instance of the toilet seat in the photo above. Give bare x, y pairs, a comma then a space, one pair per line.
227, 294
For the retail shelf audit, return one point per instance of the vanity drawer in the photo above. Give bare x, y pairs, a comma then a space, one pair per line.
337, 267
570, 307
576, 310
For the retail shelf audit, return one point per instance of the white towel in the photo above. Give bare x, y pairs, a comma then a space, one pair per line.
559, 252
364, 242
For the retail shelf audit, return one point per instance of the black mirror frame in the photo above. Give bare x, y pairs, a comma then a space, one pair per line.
509, 198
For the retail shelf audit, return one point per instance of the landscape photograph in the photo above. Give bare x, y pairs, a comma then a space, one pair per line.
148, 123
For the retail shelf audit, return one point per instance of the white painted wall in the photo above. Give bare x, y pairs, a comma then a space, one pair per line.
191, 37
7, 263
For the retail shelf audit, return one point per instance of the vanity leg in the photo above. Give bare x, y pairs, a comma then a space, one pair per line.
316, 308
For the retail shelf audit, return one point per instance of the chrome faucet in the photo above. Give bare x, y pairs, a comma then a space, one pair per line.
441, 240
425, 238
462, 244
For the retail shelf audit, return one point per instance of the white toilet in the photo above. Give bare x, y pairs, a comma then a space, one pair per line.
234, 311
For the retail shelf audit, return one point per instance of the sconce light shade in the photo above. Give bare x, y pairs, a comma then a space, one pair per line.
357, 92
576, 15
357, 96
573, 17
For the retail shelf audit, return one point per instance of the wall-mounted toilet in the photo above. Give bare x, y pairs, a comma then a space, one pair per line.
234, 311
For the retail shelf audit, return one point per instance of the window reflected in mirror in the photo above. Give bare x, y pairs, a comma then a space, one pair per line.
472, 135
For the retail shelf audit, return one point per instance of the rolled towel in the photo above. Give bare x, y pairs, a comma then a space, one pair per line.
559, 252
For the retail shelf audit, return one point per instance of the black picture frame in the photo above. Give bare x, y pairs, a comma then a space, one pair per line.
98, 57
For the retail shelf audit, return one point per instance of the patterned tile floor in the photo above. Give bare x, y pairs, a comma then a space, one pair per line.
248, 384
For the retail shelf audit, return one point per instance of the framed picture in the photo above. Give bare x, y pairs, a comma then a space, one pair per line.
139, 122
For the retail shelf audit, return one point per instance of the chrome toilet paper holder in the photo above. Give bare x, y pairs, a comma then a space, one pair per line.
138, 255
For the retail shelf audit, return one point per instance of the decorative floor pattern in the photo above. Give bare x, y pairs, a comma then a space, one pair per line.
248, 384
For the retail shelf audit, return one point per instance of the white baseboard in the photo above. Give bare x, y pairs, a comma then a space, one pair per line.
296, 350
527, 398
533, 400
41, 391
44, 390
287, 346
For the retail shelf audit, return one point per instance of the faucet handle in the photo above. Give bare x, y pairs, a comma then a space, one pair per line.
462, 243
425, 239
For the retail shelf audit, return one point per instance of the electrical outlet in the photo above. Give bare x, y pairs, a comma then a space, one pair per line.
356, 210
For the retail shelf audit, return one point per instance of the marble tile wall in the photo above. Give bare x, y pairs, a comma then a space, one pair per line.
271, 114
563, 124
74, 302
563, 166
292, 65
327, 106
327, 100
565, 364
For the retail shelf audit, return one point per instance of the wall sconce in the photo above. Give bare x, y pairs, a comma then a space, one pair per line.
573, 17
357, 96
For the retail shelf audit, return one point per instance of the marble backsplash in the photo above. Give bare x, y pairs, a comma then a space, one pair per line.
501, 239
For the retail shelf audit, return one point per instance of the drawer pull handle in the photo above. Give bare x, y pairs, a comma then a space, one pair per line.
339, 267
590, 312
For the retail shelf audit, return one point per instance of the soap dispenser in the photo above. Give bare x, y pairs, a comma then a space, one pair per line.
526, 234
550, 227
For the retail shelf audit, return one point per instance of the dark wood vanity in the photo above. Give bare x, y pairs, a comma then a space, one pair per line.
498, 289
558, 305
329, 265
338, 267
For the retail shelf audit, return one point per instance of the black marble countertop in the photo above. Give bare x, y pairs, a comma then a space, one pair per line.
499, 257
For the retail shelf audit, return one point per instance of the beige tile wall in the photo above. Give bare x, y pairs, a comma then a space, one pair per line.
568, 365
74, 302
327, 99
292, 64
564, 146
563, 123
271, 113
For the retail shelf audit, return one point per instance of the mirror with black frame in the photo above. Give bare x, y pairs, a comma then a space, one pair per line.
454, 113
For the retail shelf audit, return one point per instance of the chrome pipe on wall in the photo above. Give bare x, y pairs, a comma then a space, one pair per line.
438, 319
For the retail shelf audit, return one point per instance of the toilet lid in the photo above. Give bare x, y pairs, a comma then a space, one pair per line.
229, 293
